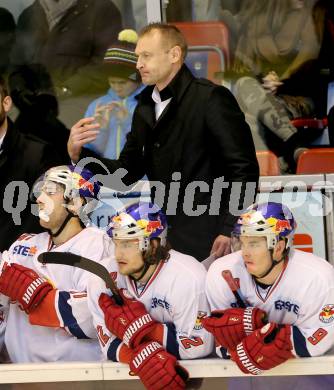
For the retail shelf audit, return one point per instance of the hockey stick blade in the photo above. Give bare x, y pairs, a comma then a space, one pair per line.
228, 277
73, 260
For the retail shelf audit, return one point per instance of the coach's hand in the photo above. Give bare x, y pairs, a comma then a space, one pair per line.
23, 285
231, 326
264, 349
157, 368
82, 133
221, 246
130, 322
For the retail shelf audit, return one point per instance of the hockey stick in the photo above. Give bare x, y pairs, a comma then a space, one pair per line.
73, 260
228, 277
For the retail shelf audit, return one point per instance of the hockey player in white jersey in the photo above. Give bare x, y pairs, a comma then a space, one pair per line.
288, 294
164, 294
48, 318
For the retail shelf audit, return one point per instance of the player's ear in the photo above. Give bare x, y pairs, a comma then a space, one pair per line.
75, 205
279, 250
154, 243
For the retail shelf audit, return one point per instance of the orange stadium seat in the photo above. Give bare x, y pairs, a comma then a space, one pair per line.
313, 123
268, 162
208, 54
318, 160
318, 128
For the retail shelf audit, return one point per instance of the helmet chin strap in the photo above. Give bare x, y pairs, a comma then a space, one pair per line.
63, 225
144, 269
272, 266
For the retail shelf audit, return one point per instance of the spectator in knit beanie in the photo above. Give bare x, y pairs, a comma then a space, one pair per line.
114, 110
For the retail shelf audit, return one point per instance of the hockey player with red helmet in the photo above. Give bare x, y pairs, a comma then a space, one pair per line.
164, 301
287, 294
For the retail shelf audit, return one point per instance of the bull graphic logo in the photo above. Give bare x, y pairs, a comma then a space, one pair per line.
82, 184
198, 322
150, 227
327, 314
279, 225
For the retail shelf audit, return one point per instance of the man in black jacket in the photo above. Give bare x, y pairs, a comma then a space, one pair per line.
22, 160
186, 132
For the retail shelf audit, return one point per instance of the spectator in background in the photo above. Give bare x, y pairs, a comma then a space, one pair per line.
22, 160
324, 15
276, 39
186, 130
134, 12
192, 10
233, 6
33, 94
114, 110
70, 38
7, 38
324, 19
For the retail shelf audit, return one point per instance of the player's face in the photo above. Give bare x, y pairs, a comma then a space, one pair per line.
128, 256
155, 59
50, 202
255, 254
122, 87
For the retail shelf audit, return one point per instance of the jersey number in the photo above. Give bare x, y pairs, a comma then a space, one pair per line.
317, 336
188, 343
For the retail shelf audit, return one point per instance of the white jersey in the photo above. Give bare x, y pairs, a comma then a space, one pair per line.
174, 296
61, 327
302, 296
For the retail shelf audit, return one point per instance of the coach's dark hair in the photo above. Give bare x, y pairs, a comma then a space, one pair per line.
3, 88
157, 253
172, 35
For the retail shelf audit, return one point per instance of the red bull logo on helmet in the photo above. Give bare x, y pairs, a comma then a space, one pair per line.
86, 185
80, 183
279, 225
149, 226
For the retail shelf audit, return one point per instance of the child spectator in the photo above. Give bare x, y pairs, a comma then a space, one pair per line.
114, 110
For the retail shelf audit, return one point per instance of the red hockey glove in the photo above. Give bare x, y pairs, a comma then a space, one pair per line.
24, 285
264, 349
157, 368
129, 322
231, 326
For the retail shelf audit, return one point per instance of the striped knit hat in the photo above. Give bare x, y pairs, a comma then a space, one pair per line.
120, 59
